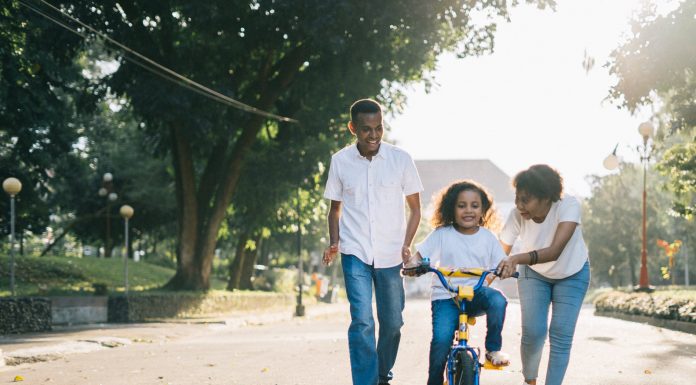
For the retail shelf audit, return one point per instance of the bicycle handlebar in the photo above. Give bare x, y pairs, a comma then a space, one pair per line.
424, 267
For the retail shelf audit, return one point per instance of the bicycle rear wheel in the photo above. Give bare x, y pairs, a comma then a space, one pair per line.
464, 368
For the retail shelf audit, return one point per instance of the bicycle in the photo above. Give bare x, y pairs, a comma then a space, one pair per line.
463, 361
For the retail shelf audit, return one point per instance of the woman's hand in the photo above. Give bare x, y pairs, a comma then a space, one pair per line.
507, 267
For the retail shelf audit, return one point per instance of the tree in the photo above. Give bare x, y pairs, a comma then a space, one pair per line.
307, 60
112, 141
656, 67
292, 202
612, 226
41, 92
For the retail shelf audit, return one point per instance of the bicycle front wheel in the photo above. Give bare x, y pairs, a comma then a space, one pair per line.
464, 368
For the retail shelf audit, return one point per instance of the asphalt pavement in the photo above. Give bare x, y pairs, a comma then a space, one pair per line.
277, 348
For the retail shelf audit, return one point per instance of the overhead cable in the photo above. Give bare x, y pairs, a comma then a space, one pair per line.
148, 64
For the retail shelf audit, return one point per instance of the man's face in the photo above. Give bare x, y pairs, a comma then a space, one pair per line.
368, 129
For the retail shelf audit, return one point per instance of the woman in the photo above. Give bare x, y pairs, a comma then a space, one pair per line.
553, 265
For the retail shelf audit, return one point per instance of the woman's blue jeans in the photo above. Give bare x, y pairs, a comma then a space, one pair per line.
372, 362
445, 314
565, 297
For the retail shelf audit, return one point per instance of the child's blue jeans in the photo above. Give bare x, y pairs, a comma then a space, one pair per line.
565, 297
445, 313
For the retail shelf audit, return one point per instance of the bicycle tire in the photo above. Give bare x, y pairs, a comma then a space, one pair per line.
464, 368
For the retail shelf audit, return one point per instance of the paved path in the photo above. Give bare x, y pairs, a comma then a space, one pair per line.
275, 348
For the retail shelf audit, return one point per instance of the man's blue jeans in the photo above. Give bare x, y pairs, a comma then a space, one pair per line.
372, 362
565, 297
445, 314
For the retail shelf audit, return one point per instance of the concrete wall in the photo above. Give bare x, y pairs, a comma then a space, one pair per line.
79, 310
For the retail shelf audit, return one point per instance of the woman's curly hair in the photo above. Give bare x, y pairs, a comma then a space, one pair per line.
447, 200
541, 181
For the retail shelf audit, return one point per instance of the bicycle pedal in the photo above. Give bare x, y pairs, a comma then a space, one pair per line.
489, 365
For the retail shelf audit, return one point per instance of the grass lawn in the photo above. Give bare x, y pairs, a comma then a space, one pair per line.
70, 276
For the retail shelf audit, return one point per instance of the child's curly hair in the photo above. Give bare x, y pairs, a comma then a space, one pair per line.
447, 200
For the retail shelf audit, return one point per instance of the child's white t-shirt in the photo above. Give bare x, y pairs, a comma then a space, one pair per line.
450, 248
534, 236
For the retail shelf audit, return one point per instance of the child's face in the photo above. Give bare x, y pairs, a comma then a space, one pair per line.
468, 211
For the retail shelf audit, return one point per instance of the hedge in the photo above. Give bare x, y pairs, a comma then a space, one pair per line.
655, 305
24, 315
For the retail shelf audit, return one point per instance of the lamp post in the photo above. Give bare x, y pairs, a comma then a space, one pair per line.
646, 130
126, 212
12, 187
611, 162
107, 191
299, 309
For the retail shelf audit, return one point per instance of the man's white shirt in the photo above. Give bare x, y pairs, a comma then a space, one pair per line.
372, 225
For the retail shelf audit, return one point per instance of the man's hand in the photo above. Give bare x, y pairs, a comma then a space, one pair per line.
406, 255
330, 254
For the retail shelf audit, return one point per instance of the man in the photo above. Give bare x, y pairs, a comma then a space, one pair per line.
366, 185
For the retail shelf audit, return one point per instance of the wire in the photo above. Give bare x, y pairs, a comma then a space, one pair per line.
159, 69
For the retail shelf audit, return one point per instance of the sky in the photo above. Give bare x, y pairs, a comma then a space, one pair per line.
531, 101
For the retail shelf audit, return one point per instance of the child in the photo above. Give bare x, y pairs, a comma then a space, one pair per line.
459, 240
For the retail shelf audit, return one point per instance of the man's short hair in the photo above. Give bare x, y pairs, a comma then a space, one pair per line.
364, 106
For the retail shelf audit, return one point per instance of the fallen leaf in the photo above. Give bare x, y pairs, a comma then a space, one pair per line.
647, 371
264, 370
18, 378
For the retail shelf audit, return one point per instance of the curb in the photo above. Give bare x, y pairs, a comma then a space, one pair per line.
680, 326
85, 344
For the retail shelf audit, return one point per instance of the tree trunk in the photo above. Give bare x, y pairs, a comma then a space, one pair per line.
201, 212
235, 269
245, 281
264, 254
632, 271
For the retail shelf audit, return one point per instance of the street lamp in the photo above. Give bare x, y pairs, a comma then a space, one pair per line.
611, 162
12, 187
126, 212
299, 309
107, 191
646, 130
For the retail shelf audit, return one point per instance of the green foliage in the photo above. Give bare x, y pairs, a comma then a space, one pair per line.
679, 165
612, 228
41, 91
659, 60
306, 60
112, 142
656, 66
59, 275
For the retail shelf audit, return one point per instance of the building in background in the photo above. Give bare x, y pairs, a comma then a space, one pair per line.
438, 174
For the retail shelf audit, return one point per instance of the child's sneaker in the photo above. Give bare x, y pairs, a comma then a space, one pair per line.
498, 358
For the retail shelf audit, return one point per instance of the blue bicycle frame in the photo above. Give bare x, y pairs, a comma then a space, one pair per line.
464, 295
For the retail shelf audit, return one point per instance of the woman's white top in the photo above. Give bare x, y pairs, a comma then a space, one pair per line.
447, 247
534, 236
